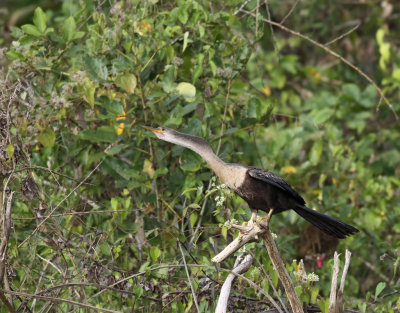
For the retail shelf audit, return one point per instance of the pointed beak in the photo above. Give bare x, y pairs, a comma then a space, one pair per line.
154, 130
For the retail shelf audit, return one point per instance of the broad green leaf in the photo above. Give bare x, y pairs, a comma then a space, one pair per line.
96, 67
68, 29
155, 253
187, 90
379, 288
47, 137
31, 30
114, 203
40, 19
127, 82
10, 151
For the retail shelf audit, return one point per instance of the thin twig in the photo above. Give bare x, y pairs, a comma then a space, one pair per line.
58, 205
328, 50
49, 170
75, 213
241, 7
290, 12
343, 35
84, 305
272, 30
188, 276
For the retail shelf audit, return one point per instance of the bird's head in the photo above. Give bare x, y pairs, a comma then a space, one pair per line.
162, 133
194, 143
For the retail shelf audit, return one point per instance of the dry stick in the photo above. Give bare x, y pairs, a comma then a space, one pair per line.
370, 80
242, 264
58, 205
335, 274
188, 276
339, 297
51, 299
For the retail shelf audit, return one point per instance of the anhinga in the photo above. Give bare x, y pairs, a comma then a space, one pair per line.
262, 190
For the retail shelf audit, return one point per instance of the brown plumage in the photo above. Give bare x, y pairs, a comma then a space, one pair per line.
262, 190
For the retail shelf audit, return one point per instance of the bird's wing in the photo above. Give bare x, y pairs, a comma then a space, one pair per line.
275, 180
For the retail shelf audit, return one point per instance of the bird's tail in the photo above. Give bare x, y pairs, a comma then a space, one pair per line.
327, 224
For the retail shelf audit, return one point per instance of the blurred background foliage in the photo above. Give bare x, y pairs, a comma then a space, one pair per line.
80, 78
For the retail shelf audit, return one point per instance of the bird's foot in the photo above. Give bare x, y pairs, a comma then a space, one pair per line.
263, 222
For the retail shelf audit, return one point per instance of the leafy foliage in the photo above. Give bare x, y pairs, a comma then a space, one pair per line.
82, 80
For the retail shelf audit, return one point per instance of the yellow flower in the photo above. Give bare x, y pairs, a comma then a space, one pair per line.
120, 129
290, 170
266, 90
121, 117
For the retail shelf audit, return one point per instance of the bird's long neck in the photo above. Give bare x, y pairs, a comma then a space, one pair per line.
225, 171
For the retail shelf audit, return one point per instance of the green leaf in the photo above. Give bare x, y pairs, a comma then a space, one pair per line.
96, 67
193, 219
40, 19
187, 90
114, 203
31, 30
68, 29
155, 253
47, 137
183, 15
185, 41
322, 115
89, 90
352, 91
127, 82
379, 288
10, 151
14, 55
137, 290
316, 151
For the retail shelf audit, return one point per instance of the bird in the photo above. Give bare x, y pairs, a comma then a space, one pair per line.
261, 189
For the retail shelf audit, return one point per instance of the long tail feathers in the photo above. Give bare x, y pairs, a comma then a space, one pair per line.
327, 224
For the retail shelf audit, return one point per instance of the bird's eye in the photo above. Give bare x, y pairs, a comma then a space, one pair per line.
162, 128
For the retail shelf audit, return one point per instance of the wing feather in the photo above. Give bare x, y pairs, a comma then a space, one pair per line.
275, 180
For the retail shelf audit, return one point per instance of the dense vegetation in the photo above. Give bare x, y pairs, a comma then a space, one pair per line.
97, 201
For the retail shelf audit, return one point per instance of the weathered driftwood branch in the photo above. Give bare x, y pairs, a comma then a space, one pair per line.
261, 230
336, 296
242, 264
252, 234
